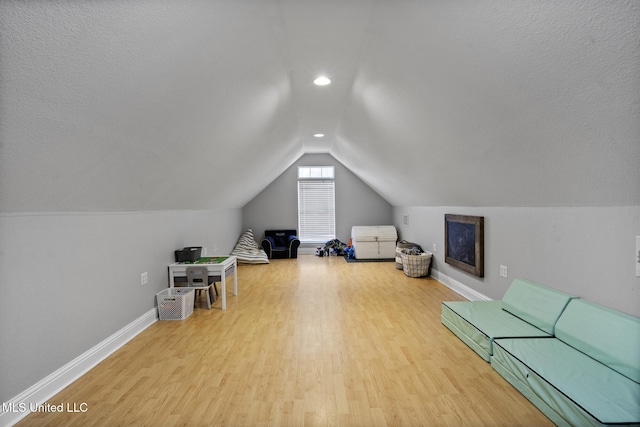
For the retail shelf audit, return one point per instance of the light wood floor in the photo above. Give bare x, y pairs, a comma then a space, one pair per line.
313, 341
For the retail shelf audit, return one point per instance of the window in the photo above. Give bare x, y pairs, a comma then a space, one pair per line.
316, 204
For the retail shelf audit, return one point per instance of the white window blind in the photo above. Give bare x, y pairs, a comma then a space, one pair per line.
316, 204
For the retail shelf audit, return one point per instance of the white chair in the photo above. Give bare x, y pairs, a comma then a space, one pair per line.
198, 279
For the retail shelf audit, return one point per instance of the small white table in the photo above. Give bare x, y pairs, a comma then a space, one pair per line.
223, 268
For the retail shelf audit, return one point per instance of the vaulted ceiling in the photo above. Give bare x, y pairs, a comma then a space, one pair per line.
154, 105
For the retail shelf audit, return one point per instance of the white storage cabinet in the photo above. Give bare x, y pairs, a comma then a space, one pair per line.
375, 241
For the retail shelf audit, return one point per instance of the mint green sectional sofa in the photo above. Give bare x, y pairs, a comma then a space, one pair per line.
587, 375
528, 309
585, 370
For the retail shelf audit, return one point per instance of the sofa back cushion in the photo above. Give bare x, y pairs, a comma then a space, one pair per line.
536, 304
280, 237
609, 336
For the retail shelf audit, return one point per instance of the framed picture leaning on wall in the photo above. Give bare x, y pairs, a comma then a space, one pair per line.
464, 242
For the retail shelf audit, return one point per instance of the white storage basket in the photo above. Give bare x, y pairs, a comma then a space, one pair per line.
416, 265
403, 244
175, 303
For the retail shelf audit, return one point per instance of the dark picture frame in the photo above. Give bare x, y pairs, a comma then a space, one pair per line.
464, 243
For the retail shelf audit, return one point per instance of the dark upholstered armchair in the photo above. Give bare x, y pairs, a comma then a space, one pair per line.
281, 243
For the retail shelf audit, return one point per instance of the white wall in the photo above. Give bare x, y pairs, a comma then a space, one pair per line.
277, 205
70, 280
589, 252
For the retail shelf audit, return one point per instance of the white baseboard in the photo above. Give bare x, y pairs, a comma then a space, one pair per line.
306, 251
458, 287
21, 405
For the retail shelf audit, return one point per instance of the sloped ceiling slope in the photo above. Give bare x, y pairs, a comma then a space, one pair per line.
136, 105
498, 103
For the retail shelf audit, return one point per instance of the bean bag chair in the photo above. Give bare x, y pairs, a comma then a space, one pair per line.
247, 250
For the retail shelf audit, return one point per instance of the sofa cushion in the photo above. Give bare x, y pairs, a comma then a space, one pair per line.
572, 384
607, 335
478, 323
535, 303
274, 245
280, 238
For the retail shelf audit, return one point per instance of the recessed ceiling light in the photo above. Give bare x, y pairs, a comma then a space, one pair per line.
322, 81
319, 135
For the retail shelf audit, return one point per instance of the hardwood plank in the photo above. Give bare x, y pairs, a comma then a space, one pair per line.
310, 341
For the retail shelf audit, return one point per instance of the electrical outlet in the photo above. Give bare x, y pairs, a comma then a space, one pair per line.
434, 247
144, 279
637, 256
503, 271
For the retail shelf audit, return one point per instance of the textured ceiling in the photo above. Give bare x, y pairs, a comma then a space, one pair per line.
154, 105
